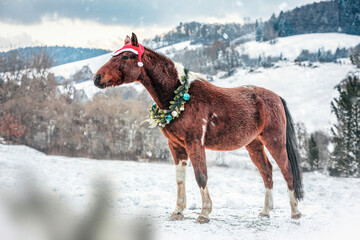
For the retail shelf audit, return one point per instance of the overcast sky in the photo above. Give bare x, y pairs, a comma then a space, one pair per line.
104, 23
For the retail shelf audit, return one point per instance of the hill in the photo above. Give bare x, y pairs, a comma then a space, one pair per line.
329, 16
200, 33
59, 55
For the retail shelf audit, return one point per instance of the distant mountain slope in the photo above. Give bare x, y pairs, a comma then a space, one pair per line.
323, 17
60, 55
199, 33
291, 47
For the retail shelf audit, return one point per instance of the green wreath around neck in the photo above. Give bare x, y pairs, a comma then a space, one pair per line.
162, 117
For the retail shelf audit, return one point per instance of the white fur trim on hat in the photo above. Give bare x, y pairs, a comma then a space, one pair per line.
124, 50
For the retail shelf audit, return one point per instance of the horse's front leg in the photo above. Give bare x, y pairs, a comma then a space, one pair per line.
180, 158
196, 153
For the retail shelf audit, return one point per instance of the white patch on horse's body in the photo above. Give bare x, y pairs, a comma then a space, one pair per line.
268, 203
206, 203
180, 180
295, 213
203, 135
248, 86
192, 76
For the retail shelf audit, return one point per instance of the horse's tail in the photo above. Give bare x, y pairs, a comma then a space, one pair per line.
293, 154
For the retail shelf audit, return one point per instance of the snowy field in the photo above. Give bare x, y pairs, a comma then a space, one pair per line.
331, 208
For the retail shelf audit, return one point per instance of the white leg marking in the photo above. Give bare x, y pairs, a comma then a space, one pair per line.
203, 135
180, 180
295, 213
206, 203
268, 203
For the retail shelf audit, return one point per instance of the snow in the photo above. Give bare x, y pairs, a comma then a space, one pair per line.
172, 49
290, 47
66, 70
331, 208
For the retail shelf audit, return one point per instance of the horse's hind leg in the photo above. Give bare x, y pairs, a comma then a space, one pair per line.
180, 158
277, 148
258, 156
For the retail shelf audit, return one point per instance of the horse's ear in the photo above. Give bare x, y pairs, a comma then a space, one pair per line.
127, 39
134, 40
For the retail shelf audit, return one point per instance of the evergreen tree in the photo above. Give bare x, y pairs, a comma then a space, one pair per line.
271, 28
355, 56
259, 29
346, 132
313, 153
301, 139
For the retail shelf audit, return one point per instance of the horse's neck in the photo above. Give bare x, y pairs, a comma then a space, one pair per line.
160, 79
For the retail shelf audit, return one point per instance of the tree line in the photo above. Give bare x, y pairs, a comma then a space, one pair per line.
329, 16
344, 159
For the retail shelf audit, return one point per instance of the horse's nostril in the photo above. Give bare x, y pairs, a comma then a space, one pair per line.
97, 81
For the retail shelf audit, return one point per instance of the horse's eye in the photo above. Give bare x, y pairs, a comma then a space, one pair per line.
125, 57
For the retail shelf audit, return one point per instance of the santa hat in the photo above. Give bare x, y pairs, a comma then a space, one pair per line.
130, 48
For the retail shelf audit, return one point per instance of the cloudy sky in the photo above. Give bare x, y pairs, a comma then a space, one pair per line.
104, 23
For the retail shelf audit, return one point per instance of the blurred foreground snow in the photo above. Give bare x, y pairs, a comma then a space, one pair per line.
132, 190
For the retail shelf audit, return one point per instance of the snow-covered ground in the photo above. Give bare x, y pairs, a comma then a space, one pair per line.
331, 208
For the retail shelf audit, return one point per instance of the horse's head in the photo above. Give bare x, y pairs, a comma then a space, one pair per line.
123, 67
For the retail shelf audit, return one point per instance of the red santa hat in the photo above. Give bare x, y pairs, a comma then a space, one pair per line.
130, 48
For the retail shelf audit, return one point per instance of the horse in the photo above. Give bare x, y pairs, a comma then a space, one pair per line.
214, 118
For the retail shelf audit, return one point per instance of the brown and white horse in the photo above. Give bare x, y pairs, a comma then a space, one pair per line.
214, 118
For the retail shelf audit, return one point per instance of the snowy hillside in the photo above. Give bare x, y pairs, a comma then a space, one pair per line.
291, 47
331, 208
308, 90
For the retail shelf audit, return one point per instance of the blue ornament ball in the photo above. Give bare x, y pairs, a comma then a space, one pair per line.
168, 118
154, 106
186, 97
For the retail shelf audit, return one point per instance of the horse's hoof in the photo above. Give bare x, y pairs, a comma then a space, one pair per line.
176, 216
202, 219
296, 215
264, 214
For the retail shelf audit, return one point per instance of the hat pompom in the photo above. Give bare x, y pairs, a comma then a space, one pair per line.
140, 64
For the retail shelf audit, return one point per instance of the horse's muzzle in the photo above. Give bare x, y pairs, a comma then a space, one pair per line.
97, 80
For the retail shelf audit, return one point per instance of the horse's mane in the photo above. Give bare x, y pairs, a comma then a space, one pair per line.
161, 56
174, 65
166, 66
